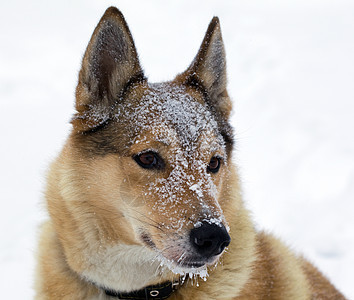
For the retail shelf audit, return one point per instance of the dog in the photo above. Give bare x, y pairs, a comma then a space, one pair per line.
144, 200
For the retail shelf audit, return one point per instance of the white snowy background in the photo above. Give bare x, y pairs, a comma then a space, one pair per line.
291, 77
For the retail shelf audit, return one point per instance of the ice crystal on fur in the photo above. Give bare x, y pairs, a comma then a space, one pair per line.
196, 188
216, 221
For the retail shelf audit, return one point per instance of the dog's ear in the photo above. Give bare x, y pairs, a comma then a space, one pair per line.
110, 64
207, 72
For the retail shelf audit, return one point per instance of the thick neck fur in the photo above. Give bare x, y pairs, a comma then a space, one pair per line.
126, 268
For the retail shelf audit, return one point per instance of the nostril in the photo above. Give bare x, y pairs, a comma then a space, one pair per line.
223, 246
203, 243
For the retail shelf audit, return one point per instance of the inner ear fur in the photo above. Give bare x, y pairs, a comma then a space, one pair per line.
207, 71
109, 65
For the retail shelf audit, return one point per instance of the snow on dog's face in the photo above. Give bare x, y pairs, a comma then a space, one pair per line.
179, 160
154, 158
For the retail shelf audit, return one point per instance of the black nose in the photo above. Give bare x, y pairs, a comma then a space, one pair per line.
209, 239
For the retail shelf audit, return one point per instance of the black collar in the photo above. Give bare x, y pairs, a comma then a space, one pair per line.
152, 292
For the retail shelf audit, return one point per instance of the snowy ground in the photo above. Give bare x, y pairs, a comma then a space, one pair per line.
291, 76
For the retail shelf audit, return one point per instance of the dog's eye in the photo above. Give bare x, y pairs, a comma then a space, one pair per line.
149, 160
214, 164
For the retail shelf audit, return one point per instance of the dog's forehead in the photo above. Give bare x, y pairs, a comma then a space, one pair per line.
168, 112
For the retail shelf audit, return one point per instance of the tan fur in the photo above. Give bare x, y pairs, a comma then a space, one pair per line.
109, 229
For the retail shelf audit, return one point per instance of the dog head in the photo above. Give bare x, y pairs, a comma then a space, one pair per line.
149, 165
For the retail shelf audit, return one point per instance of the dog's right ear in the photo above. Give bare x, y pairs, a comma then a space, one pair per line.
110, 64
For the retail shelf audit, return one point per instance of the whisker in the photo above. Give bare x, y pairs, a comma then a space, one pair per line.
181, 257
158, 226
104, 209
147, 223
145, 216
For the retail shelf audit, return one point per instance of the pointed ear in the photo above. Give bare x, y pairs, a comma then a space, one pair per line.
208, 71
110, 64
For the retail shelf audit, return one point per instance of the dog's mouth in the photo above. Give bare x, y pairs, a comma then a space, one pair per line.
194, 264
193, 267
189, 265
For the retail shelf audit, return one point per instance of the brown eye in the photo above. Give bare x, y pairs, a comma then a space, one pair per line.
214, 164
149, 160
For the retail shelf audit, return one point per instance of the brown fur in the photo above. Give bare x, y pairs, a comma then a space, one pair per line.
106, 225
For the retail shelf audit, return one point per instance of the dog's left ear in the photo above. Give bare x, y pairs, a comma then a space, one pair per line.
207, 72
109, 66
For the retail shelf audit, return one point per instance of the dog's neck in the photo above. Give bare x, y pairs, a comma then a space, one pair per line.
125, 268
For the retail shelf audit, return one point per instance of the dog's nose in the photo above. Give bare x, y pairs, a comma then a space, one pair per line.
209, 239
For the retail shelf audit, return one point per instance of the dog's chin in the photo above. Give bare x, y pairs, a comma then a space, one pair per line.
194, 265
190, 265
